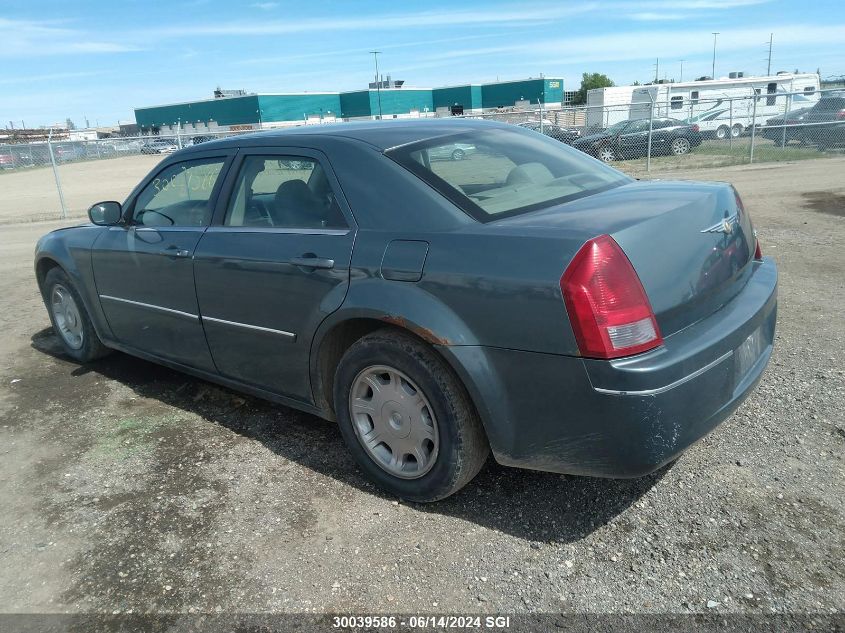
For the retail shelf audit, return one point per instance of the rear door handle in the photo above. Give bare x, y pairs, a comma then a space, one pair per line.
312, 261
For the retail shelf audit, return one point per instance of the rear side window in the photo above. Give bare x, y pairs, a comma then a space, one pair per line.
677, 103
497, 172
288, 192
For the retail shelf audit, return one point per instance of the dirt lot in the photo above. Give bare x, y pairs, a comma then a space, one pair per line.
126, 487
31, 194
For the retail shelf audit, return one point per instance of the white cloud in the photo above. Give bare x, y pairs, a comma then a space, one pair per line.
652, 16
265, 6
27, 38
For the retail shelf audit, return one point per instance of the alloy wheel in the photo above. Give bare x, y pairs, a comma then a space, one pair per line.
606, 154
680, 146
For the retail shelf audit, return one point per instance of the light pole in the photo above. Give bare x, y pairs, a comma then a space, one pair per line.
378, 82
682, 71
713, 71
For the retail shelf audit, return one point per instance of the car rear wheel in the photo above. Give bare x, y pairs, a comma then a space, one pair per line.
458, 154
406, 418
680, 146
606, 154
722, 132
70, 319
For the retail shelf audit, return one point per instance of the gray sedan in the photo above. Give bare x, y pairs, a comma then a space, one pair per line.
531, 302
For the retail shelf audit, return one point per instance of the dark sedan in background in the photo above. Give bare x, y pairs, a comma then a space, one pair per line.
556, 132
629, 139
785, 128
824, 124
528, 300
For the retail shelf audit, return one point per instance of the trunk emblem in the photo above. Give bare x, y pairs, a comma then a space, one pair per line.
725, 226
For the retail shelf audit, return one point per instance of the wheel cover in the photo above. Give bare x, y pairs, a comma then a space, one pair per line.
67, 317
680, 146
458, 154
606, 154
736, 130
394, 422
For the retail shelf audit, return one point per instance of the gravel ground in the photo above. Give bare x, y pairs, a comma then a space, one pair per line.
127, 487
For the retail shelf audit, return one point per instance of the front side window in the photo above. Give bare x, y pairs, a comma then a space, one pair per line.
283, 192
179, 195
508, 172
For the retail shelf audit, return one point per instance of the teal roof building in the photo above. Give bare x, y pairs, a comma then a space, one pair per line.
250, 111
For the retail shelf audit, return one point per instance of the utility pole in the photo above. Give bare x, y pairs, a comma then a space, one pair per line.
378, 82
713, 71
656, 69
769, 67
682, 71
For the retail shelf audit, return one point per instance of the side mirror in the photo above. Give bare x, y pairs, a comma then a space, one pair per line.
106, 213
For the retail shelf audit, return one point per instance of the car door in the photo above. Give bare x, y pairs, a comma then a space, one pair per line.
634, 140
273, 266
143, 268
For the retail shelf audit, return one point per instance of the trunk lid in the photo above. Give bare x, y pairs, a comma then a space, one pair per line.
691, 244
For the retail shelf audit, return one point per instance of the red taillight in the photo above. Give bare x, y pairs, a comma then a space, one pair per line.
840, 115
607, 305
695, 128
758, 252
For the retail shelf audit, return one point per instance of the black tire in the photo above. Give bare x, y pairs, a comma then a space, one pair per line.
722, 132
463, 446
91, 347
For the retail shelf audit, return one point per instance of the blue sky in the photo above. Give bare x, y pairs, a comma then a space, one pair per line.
99, 59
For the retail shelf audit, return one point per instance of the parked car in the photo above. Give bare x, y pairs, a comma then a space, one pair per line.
69, 151
785, 128
550, 129
824, 124
159, 146
629, 139
536, 303
196, 140
454, 151
7, 161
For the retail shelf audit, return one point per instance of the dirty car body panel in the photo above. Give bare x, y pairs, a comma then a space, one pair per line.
471, 267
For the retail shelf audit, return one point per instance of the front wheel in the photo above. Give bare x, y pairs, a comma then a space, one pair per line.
406, 418
606, 154
70, 320
680, 146
458, 154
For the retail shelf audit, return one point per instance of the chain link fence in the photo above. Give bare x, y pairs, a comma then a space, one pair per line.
53, 178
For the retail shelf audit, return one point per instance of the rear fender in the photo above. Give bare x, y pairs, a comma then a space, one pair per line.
398, 304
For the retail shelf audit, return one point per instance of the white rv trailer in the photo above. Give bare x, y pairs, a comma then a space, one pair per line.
720, 107
606, 106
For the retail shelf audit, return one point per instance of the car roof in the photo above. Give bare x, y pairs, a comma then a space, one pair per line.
380, 134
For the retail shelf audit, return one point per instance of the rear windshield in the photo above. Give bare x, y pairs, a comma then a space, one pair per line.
831, 103
497, 172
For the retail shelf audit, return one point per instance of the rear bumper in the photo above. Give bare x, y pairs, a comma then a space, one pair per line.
628, 417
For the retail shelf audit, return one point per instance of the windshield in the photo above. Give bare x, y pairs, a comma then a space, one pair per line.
617, 127
507, 172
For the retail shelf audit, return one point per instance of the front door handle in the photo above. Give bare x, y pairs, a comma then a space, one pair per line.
312, 261
173, 251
